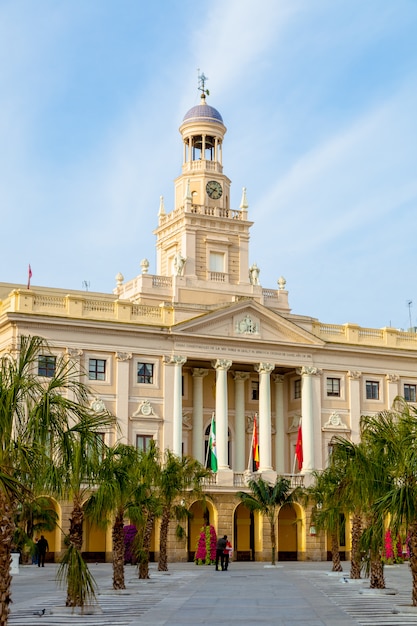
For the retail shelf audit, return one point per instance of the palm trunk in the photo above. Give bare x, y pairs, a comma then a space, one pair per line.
6, 538
355, 565
163, 560
337, 566
146, 542
377, 580
76, 539
413, 560
76, 524
118, 553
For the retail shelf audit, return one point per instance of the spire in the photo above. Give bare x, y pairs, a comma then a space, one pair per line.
161, 211
244, 202
188, 197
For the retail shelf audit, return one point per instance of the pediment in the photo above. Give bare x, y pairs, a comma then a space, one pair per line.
248, 321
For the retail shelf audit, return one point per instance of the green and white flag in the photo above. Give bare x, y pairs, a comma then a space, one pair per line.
212, 445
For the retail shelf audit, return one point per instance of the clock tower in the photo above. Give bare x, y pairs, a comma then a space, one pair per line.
203, 238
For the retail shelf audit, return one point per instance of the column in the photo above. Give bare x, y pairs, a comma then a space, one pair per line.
240, 435
221, 366
264, 370
279, 424
198, 431
178, 362
355, 404
307, 414
122, 395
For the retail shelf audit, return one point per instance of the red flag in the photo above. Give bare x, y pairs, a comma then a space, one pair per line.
255, 446
299, 449
29, 275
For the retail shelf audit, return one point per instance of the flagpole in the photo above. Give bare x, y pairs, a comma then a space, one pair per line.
250, 468
209, 439
295, 459
251, 451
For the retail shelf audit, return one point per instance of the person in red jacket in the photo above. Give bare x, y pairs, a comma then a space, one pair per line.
227, 554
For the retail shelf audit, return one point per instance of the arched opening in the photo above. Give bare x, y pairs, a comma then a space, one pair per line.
287, 533
202, 515
94, 542
46, 521
244, 534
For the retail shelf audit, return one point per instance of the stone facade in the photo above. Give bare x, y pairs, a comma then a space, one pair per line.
202, 336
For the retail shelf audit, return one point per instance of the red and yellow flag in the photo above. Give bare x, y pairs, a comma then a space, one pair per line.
299, 449
255, 446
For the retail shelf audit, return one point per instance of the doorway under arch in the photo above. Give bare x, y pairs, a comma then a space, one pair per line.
244, 534
287, 534
202, 515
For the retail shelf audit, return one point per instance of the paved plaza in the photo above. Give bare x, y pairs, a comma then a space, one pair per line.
292, 594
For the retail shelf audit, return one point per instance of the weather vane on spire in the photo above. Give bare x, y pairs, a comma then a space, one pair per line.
202, 83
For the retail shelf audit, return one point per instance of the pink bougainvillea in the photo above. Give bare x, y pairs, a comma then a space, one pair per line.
205, 553
129, 536
389, 552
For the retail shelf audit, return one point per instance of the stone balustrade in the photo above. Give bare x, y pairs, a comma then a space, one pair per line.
354, 334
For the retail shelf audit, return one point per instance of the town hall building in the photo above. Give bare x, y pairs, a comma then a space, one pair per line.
202, 337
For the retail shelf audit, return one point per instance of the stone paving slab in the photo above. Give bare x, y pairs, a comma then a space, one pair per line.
291, 594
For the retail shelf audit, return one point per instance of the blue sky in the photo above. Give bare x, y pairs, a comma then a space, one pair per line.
320, 101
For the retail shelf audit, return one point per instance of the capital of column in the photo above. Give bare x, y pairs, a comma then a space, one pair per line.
264, 368
199, 372
73, 353
308, 371
392, 378
278, 378
241, 375
123, 356
175, 359
221, 364
354, 375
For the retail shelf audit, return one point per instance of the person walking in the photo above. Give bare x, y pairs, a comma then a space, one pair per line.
43, 548
227, 554
220, 548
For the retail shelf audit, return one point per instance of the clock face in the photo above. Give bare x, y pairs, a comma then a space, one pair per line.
214, 189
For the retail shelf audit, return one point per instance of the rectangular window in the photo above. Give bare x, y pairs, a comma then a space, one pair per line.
143, 442
372, 390
97, 369
46, 365
410, 393
297, 389
255, 390
333, 387
145, 373
216, 262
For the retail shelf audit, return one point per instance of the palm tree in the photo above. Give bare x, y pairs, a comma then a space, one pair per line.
325, 494
393, 435
34, 412
33, 515
180, 478
364, 482
148, 501
267, 499
78, 455
118, 477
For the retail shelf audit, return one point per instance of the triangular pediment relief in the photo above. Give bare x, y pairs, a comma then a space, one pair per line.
248, 321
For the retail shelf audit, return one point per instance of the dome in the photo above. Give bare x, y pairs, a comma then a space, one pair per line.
203, 111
